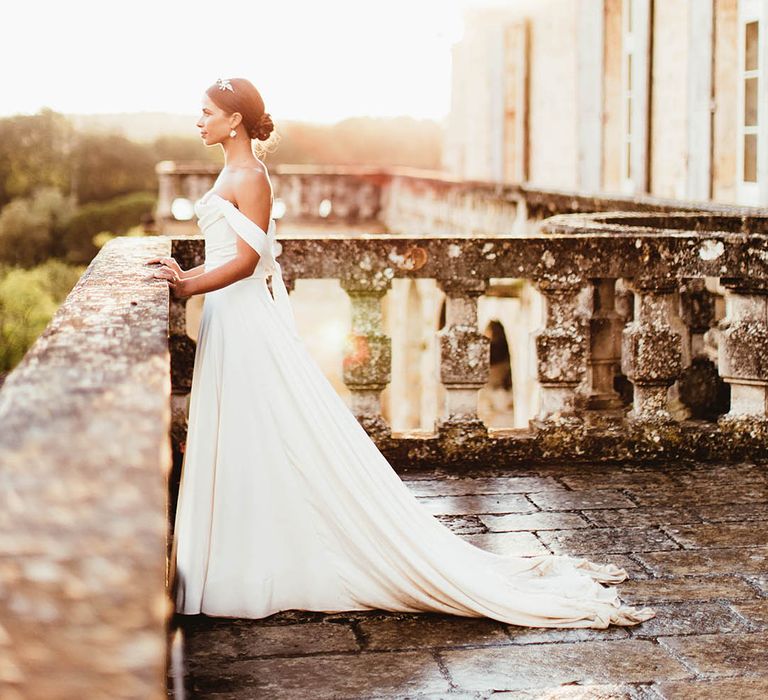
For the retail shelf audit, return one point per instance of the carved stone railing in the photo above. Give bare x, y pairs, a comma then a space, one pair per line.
586, 345
85, 457
417, 201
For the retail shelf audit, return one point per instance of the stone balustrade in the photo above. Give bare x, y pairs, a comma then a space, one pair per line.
89, 415
585, 347
419, 201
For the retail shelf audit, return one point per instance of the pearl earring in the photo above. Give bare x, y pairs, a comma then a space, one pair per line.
233, 133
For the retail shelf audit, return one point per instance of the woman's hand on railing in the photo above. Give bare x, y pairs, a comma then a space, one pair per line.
178, 285
168, 262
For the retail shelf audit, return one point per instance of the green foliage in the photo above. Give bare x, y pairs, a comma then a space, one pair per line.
116, 216
28, 300
108, 165
35, 151
30, 228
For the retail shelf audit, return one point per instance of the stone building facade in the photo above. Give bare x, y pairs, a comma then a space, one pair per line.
621, 96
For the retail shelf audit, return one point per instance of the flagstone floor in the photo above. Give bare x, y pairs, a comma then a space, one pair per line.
693, 538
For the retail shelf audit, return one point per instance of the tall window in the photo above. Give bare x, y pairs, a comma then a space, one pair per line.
751, 115
635, 44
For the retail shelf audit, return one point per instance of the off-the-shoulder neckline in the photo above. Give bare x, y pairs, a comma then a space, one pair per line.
213, 193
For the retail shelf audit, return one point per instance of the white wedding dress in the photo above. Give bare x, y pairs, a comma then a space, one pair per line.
286, 503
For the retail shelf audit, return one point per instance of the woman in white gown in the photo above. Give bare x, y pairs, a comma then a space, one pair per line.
284, 501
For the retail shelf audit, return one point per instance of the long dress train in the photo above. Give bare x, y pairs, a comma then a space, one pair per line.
286, 503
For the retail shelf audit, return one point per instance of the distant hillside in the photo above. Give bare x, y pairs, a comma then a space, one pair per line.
357, 140
137, 126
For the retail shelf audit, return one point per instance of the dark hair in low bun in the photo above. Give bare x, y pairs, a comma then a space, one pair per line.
245, 99
263, 129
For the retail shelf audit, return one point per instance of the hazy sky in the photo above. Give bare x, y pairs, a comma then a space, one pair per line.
315, 60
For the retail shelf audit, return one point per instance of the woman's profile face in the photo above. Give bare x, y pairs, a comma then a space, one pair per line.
214, 125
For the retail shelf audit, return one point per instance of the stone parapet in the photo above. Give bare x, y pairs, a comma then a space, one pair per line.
586, 345
84, 461
428, 202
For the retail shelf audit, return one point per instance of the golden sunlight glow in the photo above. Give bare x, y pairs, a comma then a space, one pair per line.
319, 62
333, 335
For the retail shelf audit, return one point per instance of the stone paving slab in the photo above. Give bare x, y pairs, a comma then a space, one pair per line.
686, 588
746, 560
403, 632
721, 654
642, 516
229, 641
524, 667
517, 522
693, 539
755, 613
744, 473
760, 582
725, 689
718, 535
587, 691
609, 540
724, 512
673, 619
701, 494
494, 503
329, 676
480, 485
579, 500
524, 544
613, 477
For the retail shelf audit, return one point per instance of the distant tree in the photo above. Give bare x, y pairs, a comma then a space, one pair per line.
117, 216
31, 227
108, 165
35, 150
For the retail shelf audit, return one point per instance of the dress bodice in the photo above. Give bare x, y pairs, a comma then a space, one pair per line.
221, 221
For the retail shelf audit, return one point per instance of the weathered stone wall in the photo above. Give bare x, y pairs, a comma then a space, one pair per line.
84, 454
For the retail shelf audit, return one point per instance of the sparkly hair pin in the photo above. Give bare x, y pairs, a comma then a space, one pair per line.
224, 84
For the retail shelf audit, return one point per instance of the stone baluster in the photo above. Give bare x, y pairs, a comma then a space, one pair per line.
182, 349
562, 349
464, 355
605, 328
743, 347
701, 390
367, 363
651, 352
697, 310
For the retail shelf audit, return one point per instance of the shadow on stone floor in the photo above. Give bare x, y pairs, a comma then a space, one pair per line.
693, 538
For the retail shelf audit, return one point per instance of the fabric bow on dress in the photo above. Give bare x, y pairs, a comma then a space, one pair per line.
268, 248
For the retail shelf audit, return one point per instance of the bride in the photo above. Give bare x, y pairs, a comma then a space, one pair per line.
284, 500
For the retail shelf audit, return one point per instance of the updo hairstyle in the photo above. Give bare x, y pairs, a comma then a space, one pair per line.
245, 99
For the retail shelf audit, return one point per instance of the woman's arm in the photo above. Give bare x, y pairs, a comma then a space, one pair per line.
253, 195
221, 276
193, 272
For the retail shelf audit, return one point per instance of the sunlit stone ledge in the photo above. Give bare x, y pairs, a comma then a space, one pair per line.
84, 462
